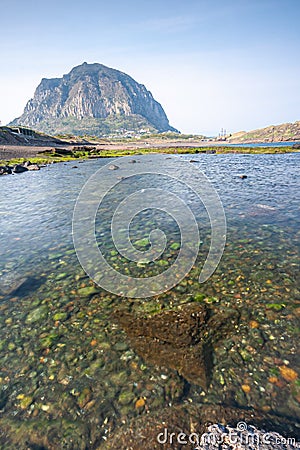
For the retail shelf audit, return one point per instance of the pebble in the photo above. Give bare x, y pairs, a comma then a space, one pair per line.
37, 314
121, 346
246, 388
84, 397
26, 401
60, 316
288, 374
87, 291
140, 403
119, 379
126, 397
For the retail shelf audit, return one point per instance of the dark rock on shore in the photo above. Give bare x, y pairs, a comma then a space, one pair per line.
18, 168
33, 167
87, 148
59, 151
28, 165
5, 170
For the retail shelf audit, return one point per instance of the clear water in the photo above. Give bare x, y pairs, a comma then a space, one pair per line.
71, 362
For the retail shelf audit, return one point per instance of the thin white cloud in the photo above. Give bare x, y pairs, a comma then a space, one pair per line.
170, 24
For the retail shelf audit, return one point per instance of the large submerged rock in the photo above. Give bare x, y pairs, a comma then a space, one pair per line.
181, 339
169, 427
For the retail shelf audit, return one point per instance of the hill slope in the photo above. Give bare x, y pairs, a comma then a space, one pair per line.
278, 133
25, 137
93, 99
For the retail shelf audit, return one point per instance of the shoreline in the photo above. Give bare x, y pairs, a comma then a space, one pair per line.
12, 154
20, 159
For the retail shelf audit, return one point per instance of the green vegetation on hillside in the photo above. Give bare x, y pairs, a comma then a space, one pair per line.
278, 133
90, 126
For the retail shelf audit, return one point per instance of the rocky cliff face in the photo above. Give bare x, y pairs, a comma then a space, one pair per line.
93, 96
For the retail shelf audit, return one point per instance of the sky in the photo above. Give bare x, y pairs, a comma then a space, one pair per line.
212, 64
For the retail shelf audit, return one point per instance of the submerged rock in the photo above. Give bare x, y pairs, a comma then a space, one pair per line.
113, 167
168, 427
181, 339
87, 291
11, 284
37, 314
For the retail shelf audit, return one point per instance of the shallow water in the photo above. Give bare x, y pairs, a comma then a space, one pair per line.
64, 359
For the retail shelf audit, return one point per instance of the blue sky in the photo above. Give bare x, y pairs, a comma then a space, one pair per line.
211, 64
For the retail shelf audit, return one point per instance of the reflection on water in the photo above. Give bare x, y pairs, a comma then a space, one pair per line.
68, 366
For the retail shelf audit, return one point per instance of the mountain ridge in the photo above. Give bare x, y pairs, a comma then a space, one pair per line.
273, 133
111, 99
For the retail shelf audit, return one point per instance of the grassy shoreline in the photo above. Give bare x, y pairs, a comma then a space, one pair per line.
83, 154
